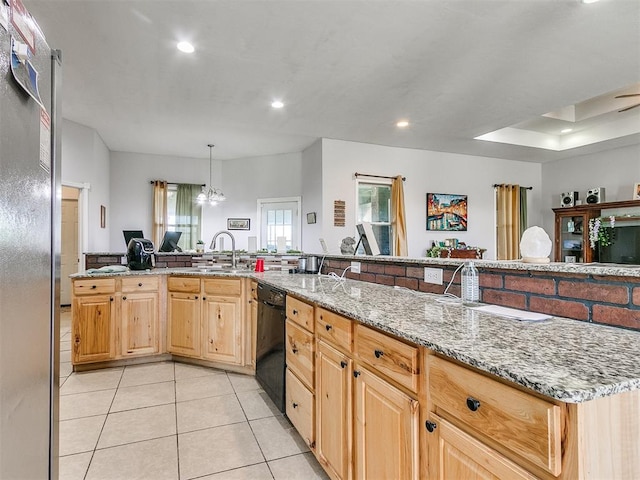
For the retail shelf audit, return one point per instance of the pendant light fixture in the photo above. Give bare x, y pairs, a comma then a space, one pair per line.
211, 196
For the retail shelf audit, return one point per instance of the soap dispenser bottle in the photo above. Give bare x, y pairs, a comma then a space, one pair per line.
470, 284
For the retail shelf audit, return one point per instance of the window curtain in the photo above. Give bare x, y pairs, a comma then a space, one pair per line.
398, 218
508, 221
188, 213
523, 210
159, 211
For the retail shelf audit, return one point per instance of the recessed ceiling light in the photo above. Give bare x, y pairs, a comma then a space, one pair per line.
185, 47
277, 104
402, 124
566, 130
589, 1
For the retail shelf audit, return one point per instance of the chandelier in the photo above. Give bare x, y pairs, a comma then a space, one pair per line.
211, 196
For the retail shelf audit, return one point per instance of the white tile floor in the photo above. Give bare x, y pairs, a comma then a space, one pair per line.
173, 421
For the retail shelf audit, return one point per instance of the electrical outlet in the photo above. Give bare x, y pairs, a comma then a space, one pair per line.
355, 267
433, 275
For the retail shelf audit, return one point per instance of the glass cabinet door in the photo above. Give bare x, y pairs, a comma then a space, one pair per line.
572, 236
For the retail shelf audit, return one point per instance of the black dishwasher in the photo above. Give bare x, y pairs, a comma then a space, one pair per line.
270, 337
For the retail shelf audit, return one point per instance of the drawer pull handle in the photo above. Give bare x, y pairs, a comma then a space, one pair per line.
473, 404
343, 364
356, 373
328, 327
295, 312
294, 405
378, 353
93, 287
294, 350
430, 426
140, 284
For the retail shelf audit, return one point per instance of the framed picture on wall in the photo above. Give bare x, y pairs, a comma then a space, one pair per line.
238, 223
636, 191
311, 217
446, 212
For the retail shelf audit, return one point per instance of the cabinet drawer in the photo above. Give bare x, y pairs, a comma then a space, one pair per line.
300, 408
334, 328
524, 424
300, 353
140, 284
183, 284
300, 312
393, 358
92, 286
223, 286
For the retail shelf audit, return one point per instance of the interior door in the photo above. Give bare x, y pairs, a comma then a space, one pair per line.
279, 220
69, 242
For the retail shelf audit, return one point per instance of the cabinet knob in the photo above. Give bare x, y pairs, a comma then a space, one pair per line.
111, 299
294, 350
93, 287
328, 327
294, 405
196, 297
140, 284
343, 364
356, 373
473, 404
203, 298
124, 298
430, 426
378, 353
295, 312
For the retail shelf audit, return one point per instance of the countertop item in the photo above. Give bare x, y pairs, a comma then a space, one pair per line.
565, 359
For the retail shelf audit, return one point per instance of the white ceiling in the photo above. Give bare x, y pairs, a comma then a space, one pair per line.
346, 69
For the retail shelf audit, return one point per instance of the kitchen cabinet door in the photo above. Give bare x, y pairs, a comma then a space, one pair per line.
93, 328
139, 324
453, 454
386, 429
334, 412
223, 328
184, 323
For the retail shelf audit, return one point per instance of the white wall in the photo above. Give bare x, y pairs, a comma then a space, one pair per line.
85, 160
312, 197
243, 181
425, 172
616, 170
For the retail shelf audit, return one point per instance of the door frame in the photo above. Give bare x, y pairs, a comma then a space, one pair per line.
262, 201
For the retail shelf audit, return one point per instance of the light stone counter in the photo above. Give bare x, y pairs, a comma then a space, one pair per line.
568, 360
564, 359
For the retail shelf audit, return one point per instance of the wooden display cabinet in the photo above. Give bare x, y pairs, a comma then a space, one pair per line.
572, 234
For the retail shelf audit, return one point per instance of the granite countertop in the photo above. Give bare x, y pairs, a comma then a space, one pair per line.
565, 359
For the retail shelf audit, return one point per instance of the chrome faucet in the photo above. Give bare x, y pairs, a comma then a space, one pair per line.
233, 245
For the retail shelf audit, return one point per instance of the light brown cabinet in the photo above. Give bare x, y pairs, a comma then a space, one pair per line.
183, 316
206, 319
139, 316
300, 375
455, 455
334, 412
115, 318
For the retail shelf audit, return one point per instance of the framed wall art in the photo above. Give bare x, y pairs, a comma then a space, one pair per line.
311, 217
238, 224
446, 212
636, 191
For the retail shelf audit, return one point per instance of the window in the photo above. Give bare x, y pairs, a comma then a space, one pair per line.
279, 218
374, 206
184, 213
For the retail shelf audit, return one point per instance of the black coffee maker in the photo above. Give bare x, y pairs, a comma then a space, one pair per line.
140, 254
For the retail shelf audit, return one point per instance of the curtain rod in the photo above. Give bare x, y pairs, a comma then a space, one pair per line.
175, 183
376, 176
501, 184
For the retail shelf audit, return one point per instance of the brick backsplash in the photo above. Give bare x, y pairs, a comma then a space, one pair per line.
607, 300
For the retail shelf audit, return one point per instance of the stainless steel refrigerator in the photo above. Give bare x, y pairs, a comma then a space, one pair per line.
29, 249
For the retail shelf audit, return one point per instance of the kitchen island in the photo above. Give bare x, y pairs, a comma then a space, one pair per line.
556, 399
